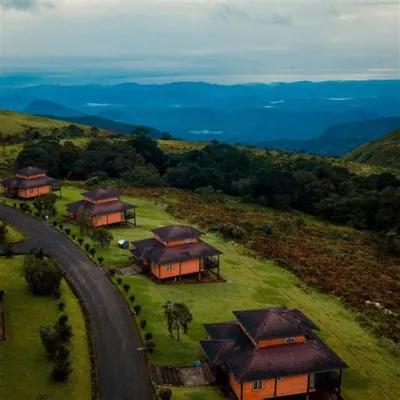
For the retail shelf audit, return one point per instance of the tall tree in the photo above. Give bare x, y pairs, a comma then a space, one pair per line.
178, 316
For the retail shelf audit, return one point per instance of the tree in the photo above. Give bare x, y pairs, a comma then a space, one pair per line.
42, 276
61, 370
102, 236
50, 341
84, 220
178, 316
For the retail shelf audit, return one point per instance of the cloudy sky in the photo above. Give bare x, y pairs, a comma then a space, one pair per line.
224, 41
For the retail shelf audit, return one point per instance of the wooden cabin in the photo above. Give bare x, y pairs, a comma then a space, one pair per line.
103, 207
28, 183
175, 251
272, 353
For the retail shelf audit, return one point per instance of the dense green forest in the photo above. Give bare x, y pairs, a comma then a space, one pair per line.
307, 184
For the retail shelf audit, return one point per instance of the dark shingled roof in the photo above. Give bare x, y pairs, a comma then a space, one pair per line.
30, 171
176, 232
21, 183
229, 345
155, 251
272, 323
97, 209
101, 194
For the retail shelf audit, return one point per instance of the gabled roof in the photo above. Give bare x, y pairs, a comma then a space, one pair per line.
176, 232
101, 194
82, 206
273, 323
30, 171
153, 250
224, 331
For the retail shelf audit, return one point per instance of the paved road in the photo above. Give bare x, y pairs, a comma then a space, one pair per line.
123, 372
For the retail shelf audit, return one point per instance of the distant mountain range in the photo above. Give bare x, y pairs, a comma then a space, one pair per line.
248, 114
340, 139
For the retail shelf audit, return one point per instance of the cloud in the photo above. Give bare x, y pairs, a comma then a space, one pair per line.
26, 5
278, 19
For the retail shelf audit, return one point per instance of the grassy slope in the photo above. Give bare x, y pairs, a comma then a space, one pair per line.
254, 283
24, 368
203, 393
16, 123
384, 152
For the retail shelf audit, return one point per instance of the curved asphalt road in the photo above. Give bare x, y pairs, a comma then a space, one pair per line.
123, 372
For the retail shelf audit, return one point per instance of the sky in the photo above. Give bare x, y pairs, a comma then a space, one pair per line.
221, 41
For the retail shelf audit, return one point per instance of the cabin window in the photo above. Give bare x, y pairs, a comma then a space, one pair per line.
188, 240
98, 218
257, 385
31, 190
170, 267
289, 340
279, 379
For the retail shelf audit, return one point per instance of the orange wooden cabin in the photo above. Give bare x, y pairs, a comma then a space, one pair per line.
272, 353
102, 206
29, 182
175, 251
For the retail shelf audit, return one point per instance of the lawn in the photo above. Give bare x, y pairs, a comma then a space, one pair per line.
202, 393
13, 235
252, 283
24, 368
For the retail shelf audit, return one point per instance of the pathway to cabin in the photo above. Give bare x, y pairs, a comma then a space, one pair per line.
123, 371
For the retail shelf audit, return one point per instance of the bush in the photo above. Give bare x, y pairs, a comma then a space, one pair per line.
62, 353
111, 271
61, 227
127, 287
100, 260
132, 298
148, 336
61, 370
137, 309
68, 231
92, 252
74, 236
119, 281
150, 345
42, 276
50, 341
230, 231
87, 246
165, 394
80, 241
143, 323
61, 306
55, 223
15, 205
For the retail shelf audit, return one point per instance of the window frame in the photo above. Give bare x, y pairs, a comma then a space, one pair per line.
187, 241
169, 267
257, 385
99, 217
290, 340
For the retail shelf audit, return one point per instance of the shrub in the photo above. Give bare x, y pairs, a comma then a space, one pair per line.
230, 231
61, 226
137, 309
87, 246
55, 223
61, 370
111, 271
8, 251
132, 298
50, 341
62, 353
42, 276
74, 236
15, 205
150, 345
61, 306
143, 323
92, 252
127, 287
148, 336
37, 214
29, 211
100, 260
63, 329
68, 231
119, 281
80, 241
165, 394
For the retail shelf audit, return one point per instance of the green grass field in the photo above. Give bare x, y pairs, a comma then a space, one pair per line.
252, 283
203, 393
13, 235
24, 368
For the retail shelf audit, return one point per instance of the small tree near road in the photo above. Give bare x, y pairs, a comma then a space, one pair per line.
178, 316
102, 236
